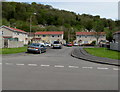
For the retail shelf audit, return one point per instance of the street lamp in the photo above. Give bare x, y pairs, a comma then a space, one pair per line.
31, 24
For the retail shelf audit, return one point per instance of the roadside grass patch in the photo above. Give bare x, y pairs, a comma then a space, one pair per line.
103, 52
12, 50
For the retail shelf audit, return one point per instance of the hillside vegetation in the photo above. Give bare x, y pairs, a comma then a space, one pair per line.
47, 18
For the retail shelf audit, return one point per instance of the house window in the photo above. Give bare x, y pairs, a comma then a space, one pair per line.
44, 35
58, 36
2, 32
53, 36
85, 36
38, 35
15, 39
85, 42
17, 33
82, 35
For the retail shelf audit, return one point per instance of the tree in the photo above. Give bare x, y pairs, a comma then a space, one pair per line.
98, 28
5, 22
109, 34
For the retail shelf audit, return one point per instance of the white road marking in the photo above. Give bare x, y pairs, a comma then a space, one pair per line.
58, 66
102, 68
73, 66
61, 66
87, 67
32, 64
20, 64
44, 65
9, 63
115, 69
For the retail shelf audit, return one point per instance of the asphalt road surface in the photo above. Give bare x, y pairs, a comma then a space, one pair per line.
56, 70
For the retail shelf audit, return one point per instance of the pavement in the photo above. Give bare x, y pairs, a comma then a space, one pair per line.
80, 53
56, 70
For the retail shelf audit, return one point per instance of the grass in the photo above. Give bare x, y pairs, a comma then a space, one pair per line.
103, 52
12, 50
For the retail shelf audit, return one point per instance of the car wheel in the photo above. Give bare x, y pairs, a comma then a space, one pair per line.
40, 52
28, 51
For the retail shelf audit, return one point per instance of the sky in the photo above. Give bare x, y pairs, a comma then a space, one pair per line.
104, 8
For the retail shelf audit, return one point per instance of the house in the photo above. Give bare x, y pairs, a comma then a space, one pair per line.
13, 34
31, 35
49, 37
115, 45
88, 37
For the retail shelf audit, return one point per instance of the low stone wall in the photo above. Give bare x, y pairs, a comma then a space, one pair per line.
14, 44
115, 46
10, 44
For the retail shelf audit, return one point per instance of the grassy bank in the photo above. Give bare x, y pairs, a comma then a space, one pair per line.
12, 50
103, 52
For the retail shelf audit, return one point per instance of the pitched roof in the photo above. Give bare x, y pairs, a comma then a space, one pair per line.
88, 33
50, 32
117, 32
14, 29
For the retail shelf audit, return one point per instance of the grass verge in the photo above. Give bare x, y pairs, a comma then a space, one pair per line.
12, 50
103, 52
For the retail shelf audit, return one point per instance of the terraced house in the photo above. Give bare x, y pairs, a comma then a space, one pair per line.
49, 37
88, 37
13, 37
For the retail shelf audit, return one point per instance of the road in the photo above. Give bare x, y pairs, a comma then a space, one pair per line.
56, 70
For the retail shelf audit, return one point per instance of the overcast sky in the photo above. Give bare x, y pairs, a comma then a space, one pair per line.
107, 9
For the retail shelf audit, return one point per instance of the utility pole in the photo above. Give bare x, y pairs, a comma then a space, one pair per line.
31, 26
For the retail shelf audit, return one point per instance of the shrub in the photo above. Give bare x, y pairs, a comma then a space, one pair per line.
93, 42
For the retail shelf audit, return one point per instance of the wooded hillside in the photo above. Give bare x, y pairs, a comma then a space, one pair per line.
49, 19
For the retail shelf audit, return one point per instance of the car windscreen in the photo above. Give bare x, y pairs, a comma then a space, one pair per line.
34, 44
56, 42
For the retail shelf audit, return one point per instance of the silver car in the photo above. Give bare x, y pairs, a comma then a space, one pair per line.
57, 44
36, 47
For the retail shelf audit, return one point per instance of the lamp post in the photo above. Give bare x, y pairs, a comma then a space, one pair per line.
31, 25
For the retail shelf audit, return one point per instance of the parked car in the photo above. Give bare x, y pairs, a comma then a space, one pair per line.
69, 44
57, 44
36, 47
87, 44
75, 44
64, 44
104, 43
48, 44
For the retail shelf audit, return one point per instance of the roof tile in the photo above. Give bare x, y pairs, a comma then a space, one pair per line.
88, 33
50, 32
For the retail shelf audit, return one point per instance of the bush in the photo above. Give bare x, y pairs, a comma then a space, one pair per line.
93, 42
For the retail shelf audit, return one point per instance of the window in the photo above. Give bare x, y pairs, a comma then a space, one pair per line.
82, 35
16, 39
53, 36
35, 44
85, 42
85, 36
2, 32
58, 36
38, 35
42, 46
17, 33
56, 42
44, 35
